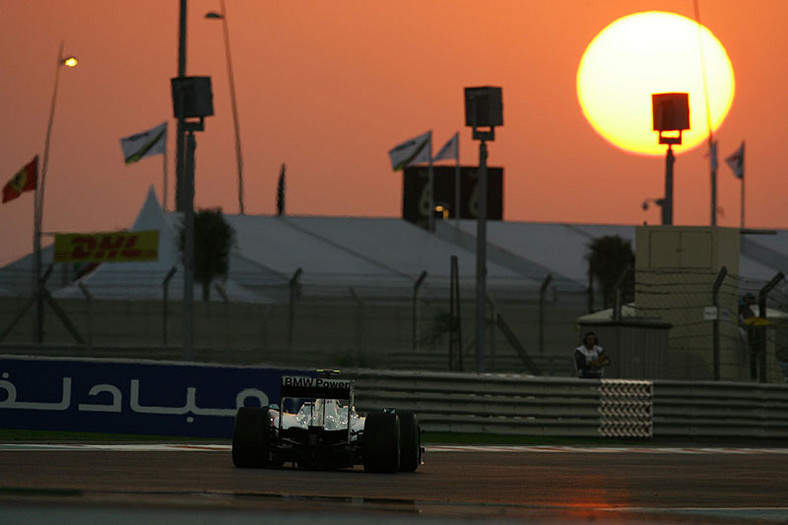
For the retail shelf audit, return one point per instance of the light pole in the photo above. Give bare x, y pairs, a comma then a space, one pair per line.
38, 201
180, 136
483, 108
670, 118
238, 157
192, 101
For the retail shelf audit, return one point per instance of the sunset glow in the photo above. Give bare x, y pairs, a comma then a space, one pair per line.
653, 52
328, 88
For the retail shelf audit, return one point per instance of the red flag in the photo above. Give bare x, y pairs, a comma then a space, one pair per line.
24, 180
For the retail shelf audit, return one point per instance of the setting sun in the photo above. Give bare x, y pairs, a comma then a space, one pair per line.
653, 52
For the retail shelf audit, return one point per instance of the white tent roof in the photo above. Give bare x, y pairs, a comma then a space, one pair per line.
379, 255
373, 256
145, 280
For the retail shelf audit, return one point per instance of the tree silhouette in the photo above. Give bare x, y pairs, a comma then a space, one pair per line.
609, 260
213, 239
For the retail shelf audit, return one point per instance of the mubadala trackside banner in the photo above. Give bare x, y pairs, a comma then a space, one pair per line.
131, 397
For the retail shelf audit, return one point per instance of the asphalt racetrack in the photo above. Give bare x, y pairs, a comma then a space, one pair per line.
198, 484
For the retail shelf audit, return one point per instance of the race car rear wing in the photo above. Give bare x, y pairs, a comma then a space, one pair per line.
316, 387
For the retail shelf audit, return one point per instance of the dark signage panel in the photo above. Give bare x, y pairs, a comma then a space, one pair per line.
415, 199
132, 397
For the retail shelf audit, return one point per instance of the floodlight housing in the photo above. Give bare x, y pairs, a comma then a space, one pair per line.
670, 113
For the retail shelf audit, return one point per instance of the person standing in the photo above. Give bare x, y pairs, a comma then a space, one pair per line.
590, 358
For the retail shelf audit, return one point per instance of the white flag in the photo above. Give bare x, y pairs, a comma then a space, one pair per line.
145, 144
449, 150
413, 151
736, 162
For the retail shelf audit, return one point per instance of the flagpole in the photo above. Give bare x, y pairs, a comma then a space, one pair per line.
39, 323
431, 213
164, 190
742, 203
742, 198
457, 192
712, 153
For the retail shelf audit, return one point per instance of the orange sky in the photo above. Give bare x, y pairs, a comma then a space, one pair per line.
329, 87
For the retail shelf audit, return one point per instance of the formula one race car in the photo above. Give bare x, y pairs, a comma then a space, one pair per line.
317, 426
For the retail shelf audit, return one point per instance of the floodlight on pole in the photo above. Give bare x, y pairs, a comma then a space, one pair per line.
670, 117
238, 157
483, 109
38, 200
192, 101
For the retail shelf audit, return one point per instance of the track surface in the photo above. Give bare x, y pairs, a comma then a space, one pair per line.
535, 484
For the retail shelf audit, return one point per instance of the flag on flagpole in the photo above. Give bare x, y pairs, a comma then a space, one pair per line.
145, 144
280, 192
449, 150
24, 180
736, 162
413, 151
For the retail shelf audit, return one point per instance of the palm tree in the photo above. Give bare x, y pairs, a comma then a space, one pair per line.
609, 260
213, 239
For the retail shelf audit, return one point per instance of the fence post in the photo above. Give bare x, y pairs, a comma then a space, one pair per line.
716, 328
416, 287
165, 303
490, 334
619, 285
542, 292
295, 290
762, 294
89, 298
455, 318
361, 335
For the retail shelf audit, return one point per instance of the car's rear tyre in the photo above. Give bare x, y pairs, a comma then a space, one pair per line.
251, 436
381, 442
409, 442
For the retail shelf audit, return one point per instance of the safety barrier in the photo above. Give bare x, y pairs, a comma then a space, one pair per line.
720, 409
511, 404
569, 407
190, 399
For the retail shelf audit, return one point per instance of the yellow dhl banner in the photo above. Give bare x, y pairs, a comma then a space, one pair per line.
107, 246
